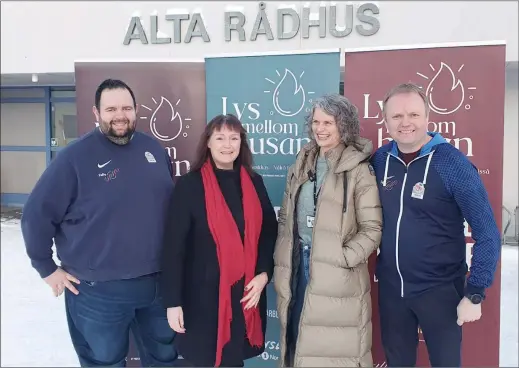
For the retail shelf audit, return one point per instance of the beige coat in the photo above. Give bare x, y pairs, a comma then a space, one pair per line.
335, 325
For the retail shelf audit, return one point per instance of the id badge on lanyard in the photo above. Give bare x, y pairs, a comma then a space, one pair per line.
310, 220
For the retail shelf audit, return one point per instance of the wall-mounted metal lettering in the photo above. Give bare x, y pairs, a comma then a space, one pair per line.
324, 21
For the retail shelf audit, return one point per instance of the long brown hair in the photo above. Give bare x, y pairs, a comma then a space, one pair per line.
231, 122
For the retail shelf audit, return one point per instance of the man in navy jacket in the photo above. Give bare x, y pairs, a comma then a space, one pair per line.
427, 188
103, 201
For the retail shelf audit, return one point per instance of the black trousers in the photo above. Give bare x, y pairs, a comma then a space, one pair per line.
229, 359
185, 363
436, 314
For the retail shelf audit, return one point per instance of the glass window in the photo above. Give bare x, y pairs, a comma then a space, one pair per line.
64, 123
58, 93
22, 92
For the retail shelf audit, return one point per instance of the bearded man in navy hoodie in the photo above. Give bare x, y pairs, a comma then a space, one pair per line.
427, 188
103, 201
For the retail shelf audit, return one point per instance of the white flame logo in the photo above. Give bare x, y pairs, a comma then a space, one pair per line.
288, 80
456, 85
176, 119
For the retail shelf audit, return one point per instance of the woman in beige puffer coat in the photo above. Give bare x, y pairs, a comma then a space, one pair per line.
324, 241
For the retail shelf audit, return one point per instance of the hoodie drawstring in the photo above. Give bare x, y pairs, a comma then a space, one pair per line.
427, 167
424, 176
385, 171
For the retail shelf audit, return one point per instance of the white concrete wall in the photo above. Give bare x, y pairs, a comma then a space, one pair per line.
47, 37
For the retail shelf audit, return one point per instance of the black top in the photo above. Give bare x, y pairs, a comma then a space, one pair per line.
190, 276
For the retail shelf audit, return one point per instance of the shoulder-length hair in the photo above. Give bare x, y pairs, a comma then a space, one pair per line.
232, 123
344, 113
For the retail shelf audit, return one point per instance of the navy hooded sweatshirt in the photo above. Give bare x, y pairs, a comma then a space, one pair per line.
105, 207
424, 206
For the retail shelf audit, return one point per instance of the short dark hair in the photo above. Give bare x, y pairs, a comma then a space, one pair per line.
112, 84
216, 124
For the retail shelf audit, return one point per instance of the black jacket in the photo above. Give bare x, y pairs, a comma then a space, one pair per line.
190, 276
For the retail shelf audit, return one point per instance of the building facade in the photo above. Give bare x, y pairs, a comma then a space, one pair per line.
40, 46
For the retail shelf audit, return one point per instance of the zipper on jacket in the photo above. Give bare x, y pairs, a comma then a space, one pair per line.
398, 233
401, 211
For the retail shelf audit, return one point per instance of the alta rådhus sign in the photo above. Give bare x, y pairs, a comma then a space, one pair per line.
235, 24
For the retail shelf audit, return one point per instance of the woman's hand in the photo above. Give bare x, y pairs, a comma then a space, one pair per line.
176, 319
255, 288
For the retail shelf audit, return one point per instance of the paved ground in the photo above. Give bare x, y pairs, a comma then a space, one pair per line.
34, 330
10, 213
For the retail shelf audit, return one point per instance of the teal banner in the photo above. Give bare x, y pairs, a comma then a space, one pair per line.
271, 95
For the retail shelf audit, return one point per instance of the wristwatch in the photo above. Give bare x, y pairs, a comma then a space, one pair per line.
475, 298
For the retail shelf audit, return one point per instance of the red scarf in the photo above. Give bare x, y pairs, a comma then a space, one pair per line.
235, 258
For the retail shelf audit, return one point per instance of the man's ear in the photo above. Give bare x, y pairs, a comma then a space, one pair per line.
96, 113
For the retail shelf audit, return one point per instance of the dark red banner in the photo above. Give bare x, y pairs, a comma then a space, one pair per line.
170, 100
171, 104
465, 86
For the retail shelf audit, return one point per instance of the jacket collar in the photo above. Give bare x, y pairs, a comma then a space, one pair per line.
340, 158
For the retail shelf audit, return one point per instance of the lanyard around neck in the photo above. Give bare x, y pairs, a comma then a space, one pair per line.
314, 179
316, 192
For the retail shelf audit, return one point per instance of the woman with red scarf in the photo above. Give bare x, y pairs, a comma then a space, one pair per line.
218, 252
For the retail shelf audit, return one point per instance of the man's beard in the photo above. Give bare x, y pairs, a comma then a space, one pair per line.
110, 133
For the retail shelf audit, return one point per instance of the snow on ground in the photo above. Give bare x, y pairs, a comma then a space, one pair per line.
34, 329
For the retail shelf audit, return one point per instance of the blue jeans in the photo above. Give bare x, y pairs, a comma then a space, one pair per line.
305, 257
101, 316
302, 283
